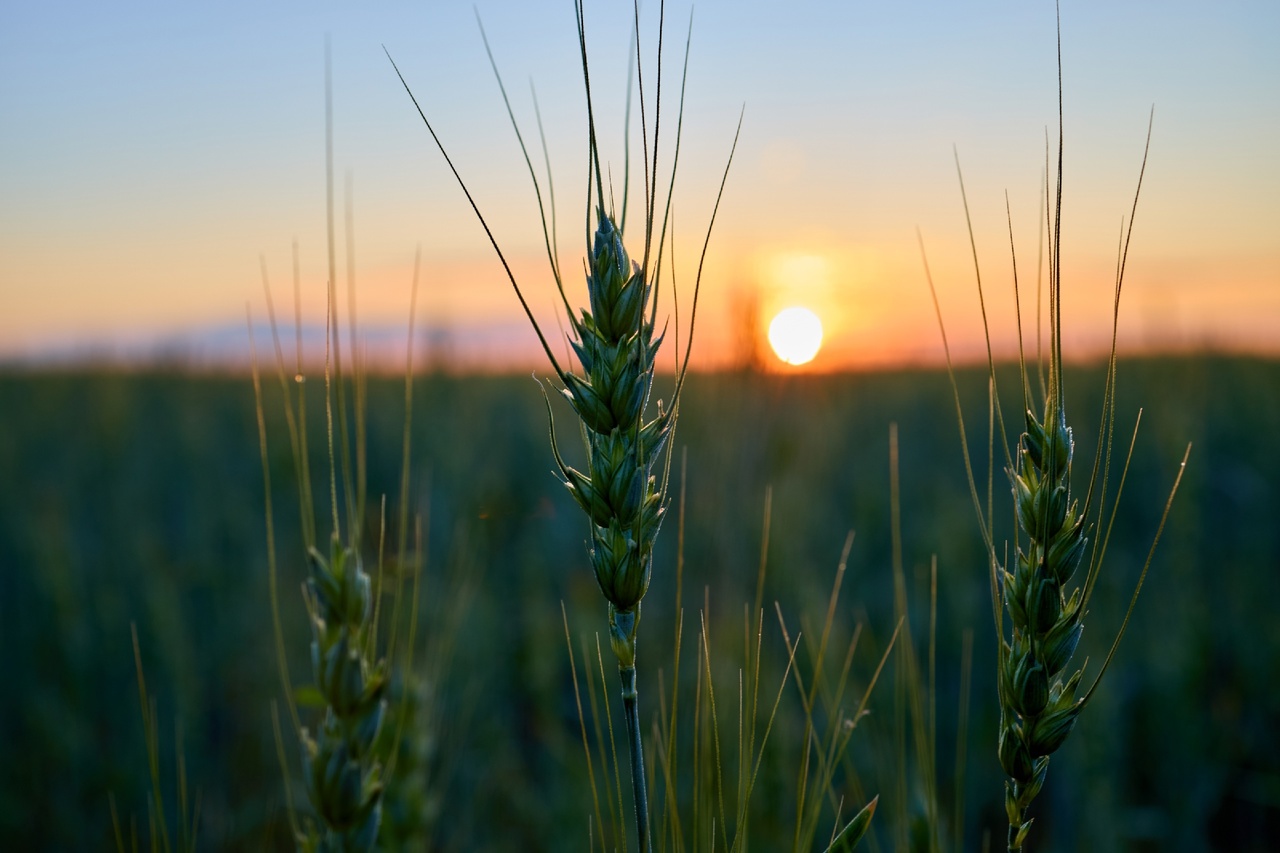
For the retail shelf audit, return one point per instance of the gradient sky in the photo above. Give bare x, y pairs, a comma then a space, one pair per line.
151, 154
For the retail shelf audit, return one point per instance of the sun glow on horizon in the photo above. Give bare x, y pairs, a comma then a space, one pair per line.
796, 335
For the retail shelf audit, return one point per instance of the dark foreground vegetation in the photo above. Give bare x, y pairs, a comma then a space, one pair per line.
138, 498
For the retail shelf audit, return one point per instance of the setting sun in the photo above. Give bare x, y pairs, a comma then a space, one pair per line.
795, 335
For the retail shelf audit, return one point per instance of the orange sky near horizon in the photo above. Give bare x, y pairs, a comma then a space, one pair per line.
137, 206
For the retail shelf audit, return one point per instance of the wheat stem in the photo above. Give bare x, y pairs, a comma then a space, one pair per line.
639, 789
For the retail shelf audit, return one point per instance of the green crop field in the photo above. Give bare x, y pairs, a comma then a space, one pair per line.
138, 498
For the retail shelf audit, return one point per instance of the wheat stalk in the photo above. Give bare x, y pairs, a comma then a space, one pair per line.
350, 759
1037, 691
616, 342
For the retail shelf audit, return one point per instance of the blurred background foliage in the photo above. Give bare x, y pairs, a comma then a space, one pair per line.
138, 497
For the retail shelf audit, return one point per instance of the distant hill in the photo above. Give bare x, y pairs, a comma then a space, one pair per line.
489, 348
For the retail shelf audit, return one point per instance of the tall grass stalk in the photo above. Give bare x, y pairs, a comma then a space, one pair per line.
916, 701
188, 813
1039, 697
616, 342
829, 725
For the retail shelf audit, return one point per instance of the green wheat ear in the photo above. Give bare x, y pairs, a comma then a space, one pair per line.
1038, 699
342, 774
1039, 702
616, 346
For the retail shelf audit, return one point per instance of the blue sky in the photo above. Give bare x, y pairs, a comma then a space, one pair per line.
151, 154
